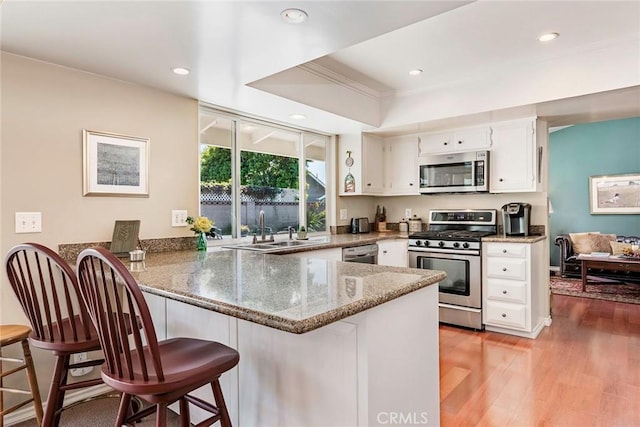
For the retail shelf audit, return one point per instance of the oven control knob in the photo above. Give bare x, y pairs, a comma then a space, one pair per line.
441, 244
456, 245
465, 245
418, 243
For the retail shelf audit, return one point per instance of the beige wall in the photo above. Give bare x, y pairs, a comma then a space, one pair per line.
44, 109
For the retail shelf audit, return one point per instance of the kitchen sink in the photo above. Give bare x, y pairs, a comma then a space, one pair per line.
273, 246
287, 243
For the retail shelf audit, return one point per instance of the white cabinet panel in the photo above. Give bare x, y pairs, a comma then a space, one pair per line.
505, 314
456, 141
508, 250
401, 166
512, 158
507, 268
373, 165
157, 309
507, 290
393, 252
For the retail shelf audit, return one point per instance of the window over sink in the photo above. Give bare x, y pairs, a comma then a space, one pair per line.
248, 166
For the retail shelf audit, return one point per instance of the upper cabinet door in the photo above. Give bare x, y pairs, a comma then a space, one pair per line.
372, 165
460, 140
512, 158
401, 166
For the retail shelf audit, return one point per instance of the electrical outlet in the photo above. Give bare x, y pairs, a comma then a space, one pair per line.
343, 214
407, 213
179, 218
28, 222
79, 358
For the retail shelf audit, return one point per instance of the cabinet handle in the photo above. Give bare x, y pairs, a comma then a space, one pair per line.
504, 292
384, 252
504, 268
459, 142
504, 314
369, 184
411, 184
446, 143
501, 180
504, 251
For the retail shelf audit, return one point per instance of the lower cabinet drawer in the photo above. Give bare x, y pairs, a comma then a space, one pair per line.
507, 290
507, 268
506, 314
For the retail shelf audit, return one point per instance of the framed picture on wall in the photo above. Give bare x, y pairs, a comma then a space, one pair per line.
615, 194
115, 165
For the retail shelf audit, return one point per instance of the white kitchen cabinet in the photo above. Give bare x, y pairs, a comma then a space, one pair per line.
514, 158
401, 175
514, 296
367, 153
456, 141
393, 253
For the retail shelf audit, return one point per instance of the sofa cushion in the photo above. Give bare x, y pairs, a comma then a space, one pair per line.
586, 243
617, 248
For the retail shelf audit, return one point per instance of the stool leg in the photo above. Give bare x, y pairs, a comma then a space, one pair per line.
33, 381
184, 412
225, 420
54, 397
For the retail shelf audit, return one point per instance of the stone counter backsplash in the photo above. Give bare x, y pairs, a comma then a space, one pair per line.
69, 251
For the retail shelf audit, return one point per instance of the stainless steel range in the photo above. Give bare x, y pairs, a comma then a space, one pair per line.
452, 244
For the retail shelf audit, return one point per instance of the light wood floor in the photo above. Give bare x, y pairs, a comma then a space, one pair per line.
584, 370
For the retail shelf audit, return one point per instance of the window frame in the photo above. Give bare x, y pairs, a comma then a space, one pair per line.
236, 202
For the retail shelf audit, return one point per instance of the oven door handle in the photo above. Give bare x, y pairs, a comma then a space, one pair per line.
434, 252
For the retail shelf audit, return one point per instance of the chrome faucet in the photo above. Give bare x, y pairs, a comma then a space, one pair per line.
263, 234
261, 222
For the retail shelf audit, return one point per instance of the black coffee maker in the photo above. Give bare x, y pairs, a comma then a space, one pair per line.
516, 219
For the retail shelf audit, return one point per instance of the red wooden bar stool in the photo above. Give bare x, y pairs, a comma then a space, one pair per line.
136, 364
13, 334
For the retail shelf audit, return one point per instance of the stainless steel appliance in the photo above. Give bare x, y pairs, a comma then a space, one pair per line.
452, 244
359, 225
516, 219
454, 173
365, 254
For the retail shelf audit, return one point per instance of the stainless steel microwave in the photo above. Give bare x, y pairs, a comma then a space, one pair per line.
454, 173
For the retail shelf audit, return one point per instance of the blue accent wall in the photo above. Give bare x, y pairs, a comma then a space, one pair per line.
575, 154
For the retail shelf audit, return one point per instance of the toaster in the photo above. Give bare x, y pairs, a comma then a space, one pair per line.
359, 225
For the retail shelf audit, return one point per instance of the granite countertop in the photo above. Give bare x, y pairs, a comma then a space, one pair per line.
513, 239
288, 293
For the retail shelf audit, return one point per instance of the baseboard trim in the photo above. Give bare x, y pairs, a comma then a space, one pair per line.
28, 413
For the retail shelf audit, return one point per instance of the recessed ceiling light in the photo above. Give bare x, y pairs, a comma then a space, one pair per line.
181, 71
415, 72
297, 116
548, 37
294, 16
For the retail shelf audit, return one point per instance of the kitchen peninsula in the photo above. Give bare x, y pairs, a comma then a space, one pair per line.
321, 342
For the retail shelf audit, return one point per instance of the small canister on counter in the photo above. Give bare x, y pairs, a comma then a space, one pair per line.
403, 226
415, 224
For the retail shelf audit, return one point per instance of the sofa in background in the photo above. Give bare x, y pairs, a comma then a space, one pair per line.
570, 267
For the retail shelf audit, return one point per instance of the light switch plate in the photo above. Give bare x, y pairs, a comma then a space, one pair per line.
343, 214
28, 222
179, 218
407, 213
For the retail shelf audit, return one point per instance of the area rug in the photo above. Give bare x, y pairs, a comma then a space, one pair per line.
597, 288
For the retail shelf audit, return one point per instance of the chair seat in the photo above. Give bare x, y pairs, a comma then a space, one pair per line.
187, 363
87, 342
10, 334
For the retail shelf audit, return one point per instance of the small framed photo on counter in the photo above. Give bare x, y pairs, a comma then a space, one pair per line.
115, 165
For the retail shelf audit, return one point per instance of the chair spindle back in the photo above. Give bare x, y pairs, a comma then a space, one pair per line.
120, 314
48, 292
